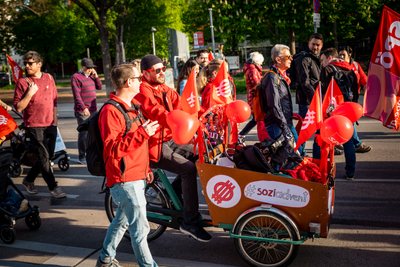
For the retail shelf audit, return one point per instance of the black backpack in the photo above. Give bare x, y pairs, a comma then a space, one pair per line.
94, 143
347, 82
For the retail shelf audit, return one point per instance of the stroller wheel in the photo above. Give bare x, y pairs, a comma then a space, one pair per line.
63, 164
16, 169
33, 221
7, 234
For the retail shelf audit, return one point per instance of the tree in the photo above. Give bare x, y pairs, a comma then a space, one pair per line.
99, 12
52, 29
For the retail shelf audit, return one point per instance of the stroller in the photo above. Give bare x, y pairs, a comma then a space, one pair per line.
13, 204
24, 151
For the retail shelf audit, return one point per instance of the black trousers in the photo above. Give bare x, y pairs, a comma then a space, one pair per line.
82, 136
44, 141
180, 159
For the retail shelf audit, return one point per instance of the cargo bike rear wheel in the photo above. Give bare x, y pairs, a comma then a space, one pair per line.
264, 238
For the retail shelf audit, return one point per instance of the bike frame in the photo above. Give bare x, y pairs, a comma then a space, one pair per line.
170, 217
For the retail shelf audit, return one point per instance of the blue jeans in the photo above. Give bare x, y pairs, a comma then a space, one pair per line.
130, 215
356, 138
349, 155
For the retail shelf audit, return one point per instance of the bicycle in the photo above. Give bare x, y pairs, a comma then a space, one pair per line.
266, 226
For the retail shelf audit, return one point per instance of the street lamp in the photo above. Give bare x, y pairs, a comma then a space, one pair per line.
212, 31
153, 30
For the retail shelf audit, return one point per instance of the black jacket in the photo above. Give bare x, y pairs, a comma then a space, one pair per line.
308, 69
276, 100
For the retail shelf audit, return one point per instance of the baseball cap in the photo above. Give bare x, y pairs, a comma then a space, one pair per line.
88, 63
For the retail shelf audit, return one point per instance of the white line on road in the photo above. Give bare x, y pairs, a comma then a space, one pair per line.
71, 256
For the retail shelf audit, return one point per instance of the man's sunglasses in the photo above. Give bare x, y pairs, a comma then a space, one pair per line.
157, 71
30, 63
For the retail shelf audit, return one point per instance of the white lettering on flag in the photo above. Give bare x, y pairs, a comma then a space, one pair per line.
308, 120
191, 100
3, 120
224, 89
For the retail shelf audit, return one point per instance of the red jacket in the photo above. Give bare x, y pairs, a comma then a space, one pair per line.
154, 108
253, 75
126, 157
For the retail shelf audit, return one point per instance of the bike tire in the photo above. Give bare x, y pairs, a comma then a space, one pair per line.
266, 254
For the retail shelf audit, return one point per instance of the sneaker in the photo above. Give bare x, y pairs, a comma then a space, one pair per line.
349, 177
57, 192
23, 206
363, 148
107, 263
340, 147
30, 187
196, 232
338, 152
82, 161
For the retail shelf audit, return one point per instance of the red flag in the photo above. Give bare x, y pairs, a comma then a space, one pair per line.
7, 123
221, 90
210, 56
17, 71
313, 119
189, 99
333, 97
382, 93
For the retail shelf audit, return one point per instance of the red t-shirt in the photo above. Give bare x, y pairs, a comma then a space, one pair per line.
40, 110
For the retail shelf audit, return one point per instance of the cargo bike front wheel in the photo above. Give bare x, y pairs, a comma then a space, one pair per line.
264, 238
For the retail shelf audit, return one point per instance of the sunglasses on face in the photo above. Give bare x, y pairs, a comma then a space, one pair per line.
158, 71
30, 63
287, 57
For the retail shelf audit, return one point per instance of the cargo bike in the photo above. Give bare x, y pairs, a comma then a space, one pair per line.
267, 215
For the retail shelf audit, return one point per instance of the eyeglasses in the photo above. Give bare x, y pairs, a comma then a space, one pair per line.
30, 63
138, 77
287, 57
157, 71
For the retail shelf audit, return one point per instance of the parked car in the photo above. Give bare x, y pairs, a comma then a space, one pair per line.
4, 79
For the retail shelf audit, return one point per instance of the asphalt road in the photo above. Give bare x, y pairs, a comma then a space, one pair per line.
365, 229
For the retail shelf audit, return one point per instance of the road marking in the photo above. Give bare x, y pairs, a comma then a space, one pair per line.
78, 256
49, 195
66, 256
369, 180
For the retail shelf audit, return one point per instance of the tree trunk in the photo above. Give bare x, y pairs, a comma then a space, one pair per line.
105, 52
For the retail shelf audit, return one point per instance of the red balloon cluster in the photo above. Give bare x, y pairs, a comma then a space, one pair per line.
238, 111
353, 111
183, 126
336, 130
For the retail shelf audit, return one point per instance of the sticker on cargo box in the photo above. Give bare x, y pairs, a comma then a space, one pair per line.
277, 193
223, 191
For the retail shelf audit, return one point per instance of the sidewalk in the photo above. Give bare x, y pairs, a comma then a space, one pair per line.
64, 95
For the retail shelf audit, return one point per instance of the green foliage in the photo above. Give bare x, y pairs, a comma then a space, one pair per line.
58, 34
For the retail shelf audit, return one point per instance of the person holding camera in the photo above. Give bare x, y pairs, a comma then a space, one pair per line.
84, 85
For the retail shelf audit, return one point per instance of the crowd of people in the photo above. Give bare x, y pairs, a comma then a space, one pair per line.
141, 90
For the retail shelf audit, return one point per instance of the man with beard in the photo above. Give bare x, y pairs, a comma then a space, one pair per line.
202, 58
308, 68
157, 100
36, 97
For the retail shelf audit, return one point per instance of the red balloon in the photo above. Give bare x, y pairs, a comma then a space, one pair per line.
353, 111
238, 111
337, 130
182, 125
